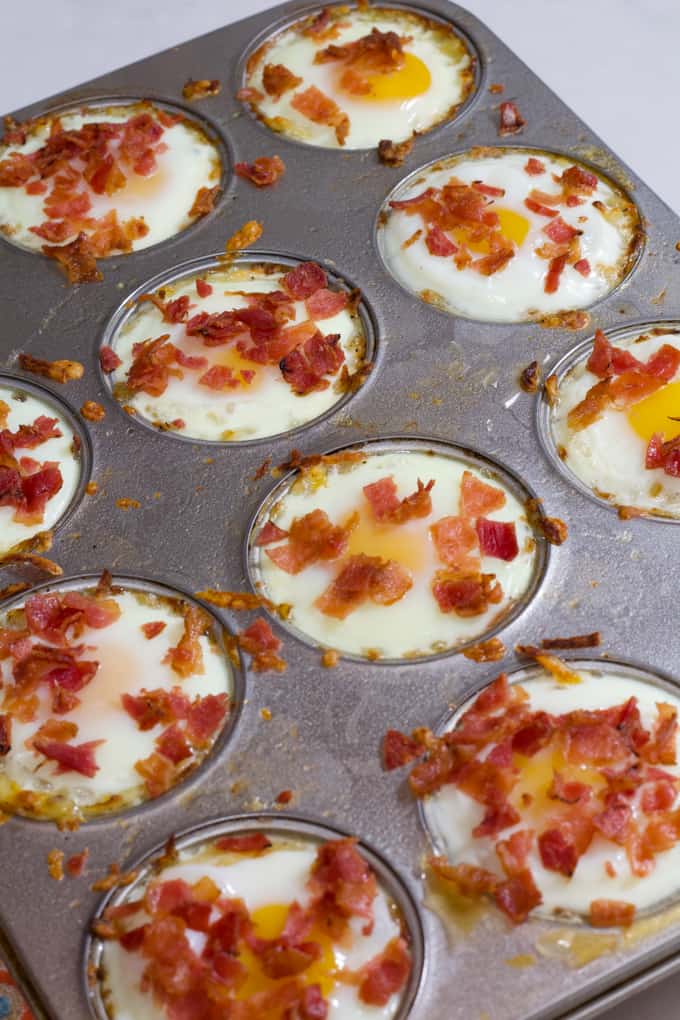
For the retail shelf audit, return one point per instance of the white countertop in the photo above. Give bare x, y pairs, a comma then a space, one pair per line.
615, 62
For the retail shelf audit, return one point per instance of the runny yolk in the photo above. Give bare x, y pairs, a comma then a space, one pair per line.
233, 360
654, 413
139, 187
536, 776
513, 226
398, 542
117, 664
269, 922
410, 80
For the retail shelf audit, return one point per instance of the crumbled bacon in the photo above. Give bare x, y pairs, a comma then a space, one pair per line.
324, 303
497, 538
60, 371
534, 167
263, 172
385, 974
204, 202
321, 109
152, 366
611, 914
306, 365
555, 269
153, 629
394, 153
362, 578
303, 281
399, 749
492, 650
387, 507
511, 120
203, 88
248, 843
455, 539
70, 757
186, 658
75, 865
376, 53
277, 79
465, 594
269, 533
477, 498
109, 360
438, 243
310, 538
262, 644
77, 259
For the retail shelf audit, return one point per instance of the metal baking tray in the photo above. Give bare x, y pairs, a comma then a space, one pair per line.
435, 376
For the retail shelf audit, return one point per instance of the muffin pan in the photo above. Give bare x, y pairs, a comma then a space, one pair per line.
437, 377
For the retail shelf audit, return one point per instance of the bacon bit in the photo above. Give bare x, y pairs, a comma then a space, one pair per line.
330, 658
250, 95
125, 503
109, 360
399, 749
304, 281
13, 589
394, 153
269, 533
152, 629
186, 658
492, 650
262, 644
77, 259
454, 539
157, 772
438, 243
75, 865
263, 172
204, 202
311, 538
203, 288
236, 600
553, 530
321, 109
511, 120
364, 577
555, 269
277, 79
92, 411
115, 879
497, 538
203, 88
538, 208
550, 390
582, 267
530, 378
58, 371
477, 498
465, 594
385, 973
593, 640
534, 167
611, 914
284, 797
578, 179
55, 864
249, 843
70, 757
386, 506
496, 89
248, 234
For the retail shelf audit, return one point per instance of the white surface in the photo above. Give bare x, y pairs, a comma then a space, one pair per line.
613, 61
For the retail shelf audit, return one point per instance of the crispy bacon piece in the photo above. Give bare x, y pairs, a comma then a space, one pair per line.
277, 79
70, 757
76, 258
109, 360
263, 172
157, 772
321, 109
560, 232
386, 505
578, 179
611, 914
399, 749
555, 270
58, 371
173, 745
394, 153
186, 658
606, 360
592, 640
497, 538
303, 281
342, 885
438, 243
310, 538
376, 53
203, 88
492, 650
361, 578
534, 167
262, 644
204, 202
511, 120
269, 533
465, 594
248, 843
454, 539
477, 498
151, 708
539, 208
152, 366
307, 364
324, 303
666, 455
75, 864
518, 896
385, 974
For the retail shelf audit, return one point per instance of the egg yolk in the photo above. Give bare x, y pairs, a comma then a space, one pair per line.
513, 226
410, 80
139, 187
233, 360
269, 923
396, 542
536, 776
655, 413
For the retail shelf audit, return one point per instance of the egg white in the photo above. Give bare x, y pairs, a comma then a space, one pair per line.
267, 407
414, 624
276, 877
128, 662
24, 409
609, 456
443, 53
450, 815
515, 293
163, 199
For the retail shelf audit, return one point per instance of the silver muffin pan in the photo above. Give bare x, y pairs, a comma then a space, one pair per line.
436, 376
